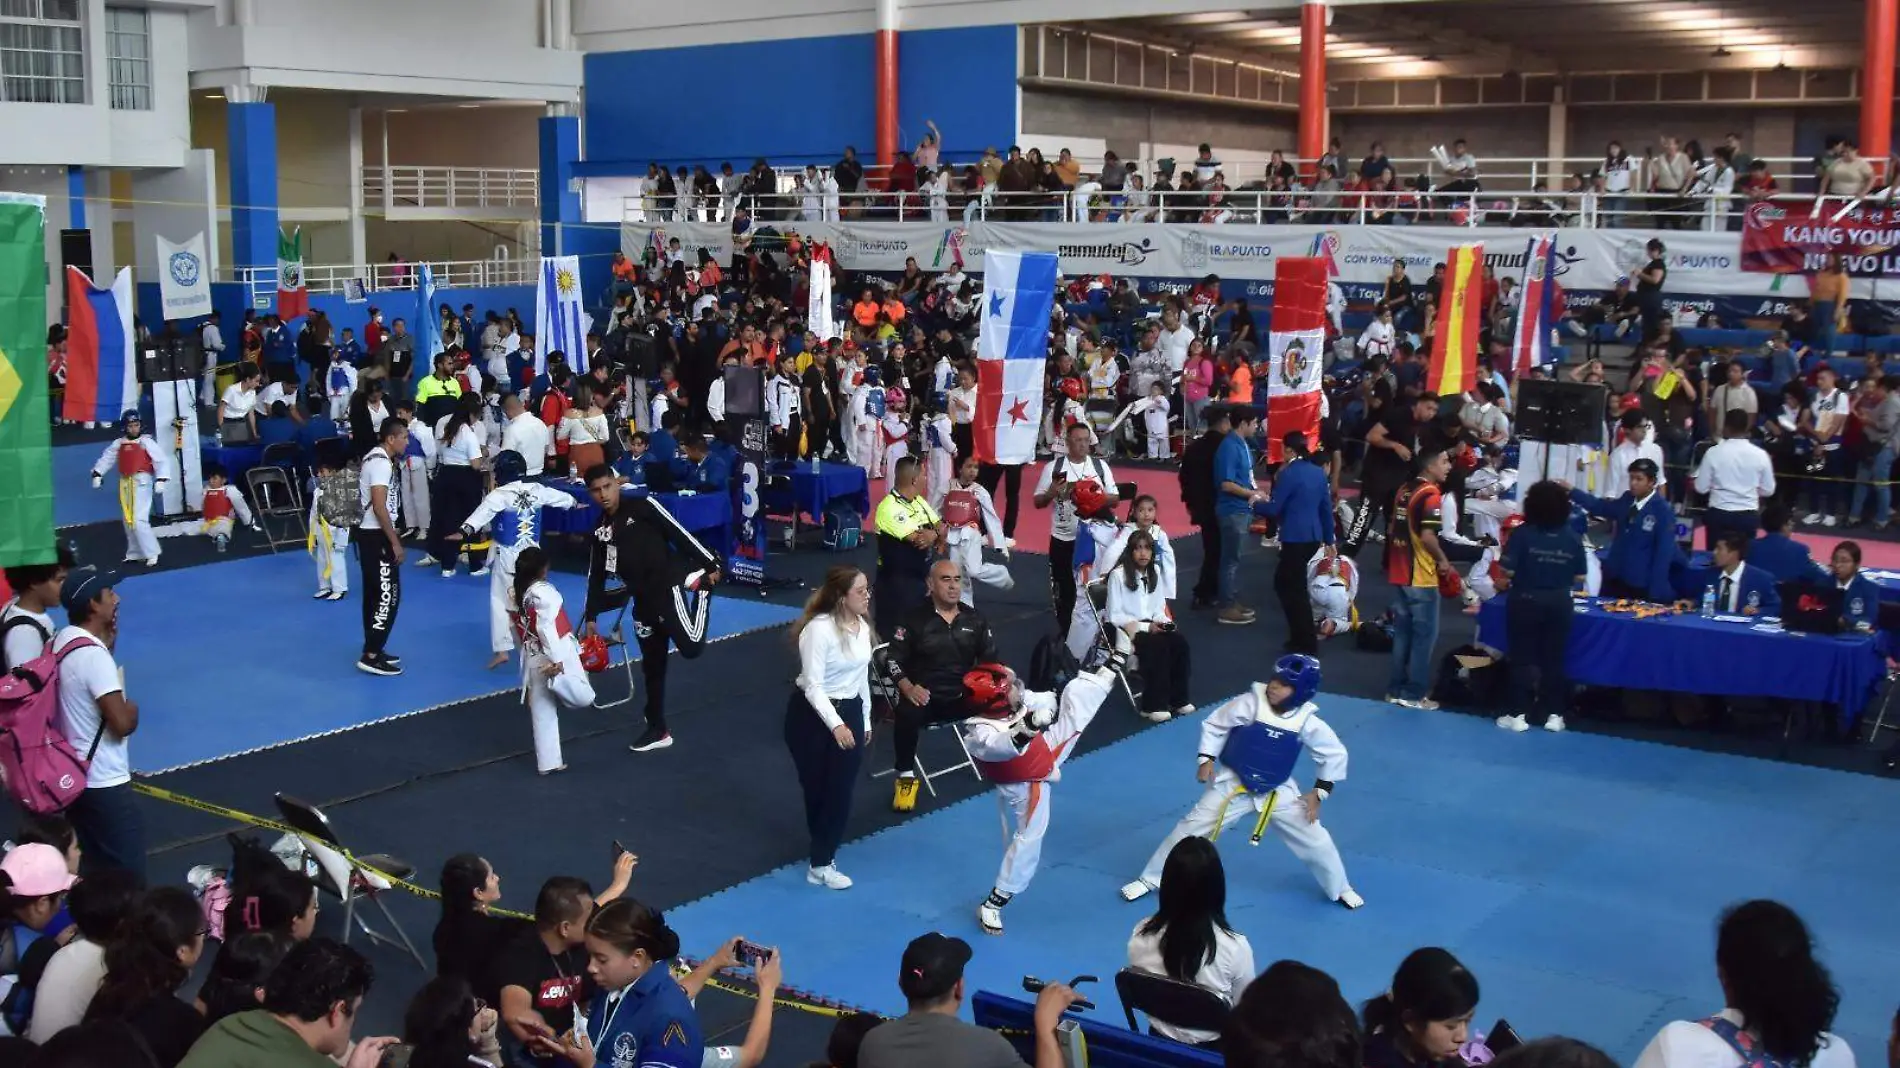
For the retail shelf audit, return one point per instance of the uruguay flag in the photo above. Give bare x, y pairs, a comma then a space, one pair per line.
1530, 342
101, 373
1019, 290
561, 325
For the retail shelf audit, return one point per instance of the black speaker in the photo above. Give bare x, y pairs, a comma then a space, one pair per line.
745, 392
642, 356
75, 250
171, 359
1561, 413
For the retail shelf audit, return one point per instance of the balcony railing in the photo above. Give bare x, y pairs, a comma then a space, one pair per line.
448, 274
515, 189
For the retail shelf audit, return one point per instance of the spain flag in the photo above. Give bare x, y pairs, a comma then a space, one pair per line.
1455, 347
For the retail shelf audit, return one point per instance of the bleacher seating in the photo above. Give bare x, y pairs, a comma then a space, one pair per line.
1109, 1046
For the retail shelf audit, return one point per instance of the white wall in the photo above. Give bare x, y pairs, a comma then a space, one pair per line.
174, 203
94, 135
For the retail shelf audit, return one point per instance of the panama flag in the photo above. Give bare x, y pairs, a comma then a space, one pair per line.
1295, 347
1530, 342
557, 312
1454, 365
101, 376
292, 298
1019, 290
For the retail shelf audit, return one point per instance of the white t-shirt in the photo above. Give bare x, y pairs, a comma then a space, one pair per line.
271, 395
66, 988
1686, 1044
528, 436
1227, 974
378, 471
963, 405
237, 403
1174, 345
464, 450
24, 641
1063, 524
86, 675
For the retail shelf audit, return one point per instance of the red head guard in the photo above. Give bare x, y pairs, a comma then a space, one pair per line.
986, 688
594, 653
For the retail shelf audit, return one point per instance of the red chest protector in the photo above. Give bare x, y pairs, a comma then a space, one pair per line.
217, 504
133, 459
960, 508
891, 438
1033, 764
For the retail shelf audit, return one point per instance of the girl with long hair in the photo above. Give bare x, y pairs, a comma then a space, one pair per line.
447, 1026
274, 899
153, 957
1425, 1016
828, 717
1138, 609
551, 672
629, 947
240, 972
1188, 939
469, 934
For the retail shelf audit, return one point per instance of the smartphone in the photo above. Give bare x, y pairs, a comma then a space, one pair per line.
619, 849
750, 954
1503, 1037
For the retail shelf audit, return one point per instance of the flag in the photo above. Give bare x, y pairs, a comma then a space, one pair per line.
26, 455
1019, 290
1295, 344
101, 374
1455, 350
292, 298
818, 305
184, 286
561, 324
1536, 310
428, 322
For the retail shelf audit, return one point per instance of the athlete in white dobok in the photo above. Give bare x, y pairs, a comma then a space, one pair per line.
1248, 748
142, 467
551, 671
512, 512
1019, 741
969, 517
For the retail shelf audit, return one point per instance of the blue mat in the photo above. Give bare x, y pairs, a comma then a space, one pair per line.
185, 629
1579, 876
74, 499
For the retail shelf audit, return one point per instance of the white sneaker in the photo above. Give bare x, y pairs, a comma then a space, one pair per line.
151, 561
1351, 899
1829, 521
1268, 541
1811, 518
478, 573
448, 572
1515, 724
428, 561
1555, 725
828, 877
1136, 890
1184, 710
1157, 716
990, 917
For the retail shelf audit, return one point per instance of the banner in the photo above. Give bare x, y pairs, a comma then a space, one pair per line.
101, 373
1454, 360
562, 325
1296, 347
745, 422
818, 317
1795, 238
1012, 349
428, 319
184, 286
1530, 339
26, 454
292, 298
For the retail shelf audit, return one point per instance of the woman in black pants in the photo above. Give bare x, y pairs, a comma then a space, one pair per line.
1541, 562
828, 719
458, 487
1138, 606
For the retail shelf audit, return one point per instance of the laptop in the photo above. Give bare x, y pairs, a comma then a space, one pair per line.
1810, 608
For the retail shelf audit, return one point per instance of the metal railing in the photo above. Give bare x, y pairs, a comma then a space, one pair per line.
460, 188
448, 274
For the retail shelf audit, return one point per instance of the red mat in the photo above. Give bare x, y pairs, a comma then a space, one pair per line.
1032, 523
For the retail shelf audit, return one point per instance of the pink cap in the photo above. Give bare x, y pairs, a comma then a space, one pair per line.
36, 870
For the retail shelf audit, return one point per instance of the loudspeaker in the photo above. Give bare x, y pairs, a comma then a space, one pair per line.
745, 392
1561, 413
171, 360
642, 356
75, 250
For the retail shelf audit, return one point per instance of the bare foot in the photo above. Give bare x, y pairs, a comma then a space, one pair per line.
497, 660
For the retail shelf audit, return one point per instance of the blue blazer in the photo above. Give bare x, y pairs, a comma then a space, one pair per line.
1644, 548
1303, 503
1783, 557
1860, 602
1756, 589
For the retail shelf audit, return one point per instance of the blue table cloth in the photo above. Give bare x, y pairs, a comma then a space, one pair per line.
1702, 563
708, 516
1690, 654
235, 459
813, 490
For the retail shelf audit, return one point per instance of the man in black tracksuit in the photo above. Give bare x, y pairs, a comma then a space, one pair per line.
1197, 492
655, 563
931, 648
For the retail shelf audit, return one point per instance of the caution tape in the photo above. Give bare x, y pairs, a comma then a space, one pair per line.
798, 1000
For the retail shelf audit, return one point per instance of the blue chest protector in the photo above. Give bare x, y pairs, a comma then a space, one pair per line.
339, 377
518, 525
874, 403
1262, 753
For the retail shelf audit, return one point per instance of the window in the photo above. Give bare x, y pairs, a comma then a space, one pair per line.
129, 58
42, 52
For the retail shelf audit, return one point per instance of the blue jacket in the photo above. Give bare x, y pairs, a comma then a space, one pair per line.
274, 430
1860, 602
1783, 557
1756, 591
713, 475
315, 429
1303, 503
1233, 462
653, 1026
661, 447
1645, 544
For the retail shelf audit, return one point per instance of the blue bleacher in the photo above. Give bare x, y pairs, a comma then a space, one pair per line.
1109, 1046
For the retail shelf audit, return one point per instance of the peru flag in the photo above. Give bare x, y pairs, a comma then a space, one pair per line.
1295, 345
1019, 290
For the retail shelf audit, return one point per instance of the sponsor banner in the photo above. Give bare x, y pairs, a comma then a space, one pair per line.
1796, 238
712, 238
184, 285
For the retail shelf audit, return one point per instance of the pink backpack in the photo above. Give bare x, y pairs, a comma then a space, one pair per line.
40, 768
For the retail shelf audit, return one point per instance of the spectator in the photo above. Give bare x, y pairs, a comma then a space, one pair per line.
446, 1027
1555, 1052
26, 625
273, 898
1541, 563
539, 973
1423, 1017
100, 906
33, 882
1414, 561
1847, 174
1292, 1016
146, 964
1234, 498
637, 1001
1780, 1000
468, 935
96, 717
1188, 939
848, 1035
1738, 476
931, 1036
310, 1006
1649, 284
1200, 492
1878, 411
240, 972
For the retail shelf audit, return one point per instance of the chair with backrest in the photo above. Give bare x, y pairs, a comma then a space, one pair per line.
884, 700
287, 455
279, 508
347, 876
1170, 1001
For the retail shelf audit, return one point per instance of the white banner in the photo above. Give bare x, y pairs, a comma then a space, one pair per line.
818, 306
184, 283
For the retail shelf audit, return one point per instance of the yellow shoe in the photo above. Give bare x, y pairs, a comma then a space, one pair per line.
905, 797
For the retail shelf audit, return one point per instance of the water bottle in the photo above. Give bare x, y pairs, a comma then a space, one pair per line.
1708, 603
817, 465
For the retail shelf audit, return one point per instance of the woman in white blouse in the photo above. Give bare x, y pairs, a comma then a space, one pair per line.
1138, 607
458, 486
828, 719
1188, 939
584, 428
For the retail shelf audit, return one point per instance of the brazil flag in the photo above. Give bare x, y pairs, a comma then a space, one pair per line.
26, 455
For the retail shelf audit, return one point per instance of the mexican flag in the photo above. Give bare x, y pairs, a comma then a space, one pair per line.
292, 299
26, 454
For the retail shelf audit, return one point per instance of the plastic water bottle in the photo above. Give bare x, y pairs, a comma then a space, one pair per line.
817, 465
1708, 603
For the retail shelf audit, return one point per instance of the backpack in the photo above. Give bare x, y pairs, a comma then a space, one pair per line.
340, 497
1051, 665
843, 528
21, 620
40, 768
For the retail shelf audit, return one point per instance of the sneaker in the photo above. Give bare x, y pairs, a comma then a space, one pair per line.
828, 877
1351, 899
1811, 519
1829, 521
904, 794
223, 543
1514, 724
1234, 615
1402, 702
1183, 710
479, 572
650, 739
390, 658
1136, 890
1268, 541
321, 595
1555, 725
990, 917
336, 595
428, 561
377, 666
1159, 715
151, 561
1426, 703
448, 572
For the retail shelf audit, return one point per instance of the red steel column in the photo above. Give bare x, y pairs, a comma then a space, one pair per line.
886, 82
1876, 85
1313, 78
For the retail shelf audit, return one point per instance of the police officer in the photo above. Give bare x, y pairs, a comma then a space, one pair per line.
909, 533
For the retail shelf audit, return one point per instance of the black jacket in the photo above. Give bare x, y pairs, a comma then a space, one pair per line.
648, 552
935, 654
1197, 477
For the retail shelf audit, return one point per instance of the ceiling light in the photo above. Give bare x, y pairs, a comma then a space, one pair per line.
468, 105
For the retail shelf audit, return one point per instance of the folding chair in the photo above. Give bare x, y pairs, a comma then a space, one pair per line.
781, 504
1095, 595
884, 700
347, 877
617, 639
288, 457
1170, 1001
276, 500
